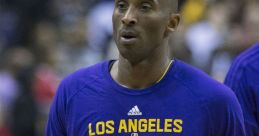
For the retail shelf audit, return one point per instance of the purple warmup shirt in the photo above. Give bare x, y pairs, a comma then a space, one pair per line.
243, 79
186, 102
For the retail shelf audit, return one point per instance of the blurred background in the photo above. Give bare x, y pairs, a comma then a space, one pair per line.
42, 41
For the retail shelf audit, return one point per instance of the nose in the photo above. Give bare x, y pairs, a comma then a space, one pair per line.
129, 18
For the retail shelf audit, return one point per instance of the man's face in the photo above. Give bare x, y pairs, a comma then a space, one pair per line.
140, 26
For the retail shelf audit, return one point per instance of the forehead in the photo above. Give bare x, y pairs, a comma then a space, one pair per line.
161, 3
154, 1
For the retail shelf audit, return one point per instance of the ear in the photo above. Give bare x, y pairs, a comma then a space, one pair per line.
173, 23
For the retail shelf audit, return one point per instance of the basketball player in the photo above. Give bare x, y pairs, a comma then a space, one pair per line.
243, 79
144, 92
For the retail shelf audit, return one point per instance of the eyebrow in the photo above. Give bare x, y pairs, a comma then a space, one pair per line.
152, 1
155, 1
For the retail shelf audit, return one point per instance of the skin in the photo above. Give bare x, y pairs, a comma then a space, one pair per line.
141, 30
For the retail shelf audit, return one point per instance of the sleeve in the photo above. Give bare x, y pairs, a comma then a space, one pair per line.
56, 122
257, 112
245, 85
251, 107
226, 115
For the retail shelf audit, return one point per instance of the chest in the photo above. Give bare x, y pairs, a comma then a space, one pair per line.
111, 114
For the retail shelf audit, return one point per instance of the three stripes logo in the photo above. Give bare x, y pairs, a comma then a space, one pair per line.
134, 134
134, 111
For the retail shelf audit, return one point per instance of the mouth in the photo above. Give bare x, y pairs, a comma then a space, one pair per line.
128, 35
128, 38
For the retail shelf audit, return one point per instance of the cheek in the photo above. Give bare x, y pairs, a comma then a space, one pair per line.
155, 27
116, 25
114, 21
155, 31
116, 18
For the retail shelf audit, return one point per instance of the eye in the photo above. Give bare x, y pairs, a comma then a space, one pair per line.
121, 5
146, 6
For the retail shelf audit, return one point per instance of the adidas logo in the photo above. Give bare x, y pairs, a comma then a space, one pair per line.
134, 111
134, 134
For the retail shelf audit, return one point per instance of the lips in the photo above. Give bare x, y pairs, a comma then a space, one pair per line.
128, 37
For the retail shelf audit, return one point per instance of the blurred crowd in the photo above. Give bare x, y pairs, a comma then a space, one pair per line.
42, 41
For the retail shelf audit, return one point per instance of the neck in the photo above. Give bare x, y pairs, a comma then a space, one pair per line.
143, 73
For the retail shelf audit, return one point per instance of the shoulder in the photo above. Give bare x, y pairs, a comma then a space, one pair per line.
244, 64
249, 56
79, 79
198, 81
218, 101
205, 89
70, 85
248, 60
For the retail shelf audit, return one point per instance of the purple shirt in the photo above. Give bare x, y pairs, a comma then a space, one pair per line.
243, 79
186, 102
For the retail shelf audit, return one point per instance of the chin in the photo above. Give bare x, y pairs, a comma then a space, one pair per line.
132, 57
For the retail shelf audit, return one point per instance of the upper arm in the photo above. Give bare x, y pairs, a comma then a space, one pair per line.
226, 115
56, 120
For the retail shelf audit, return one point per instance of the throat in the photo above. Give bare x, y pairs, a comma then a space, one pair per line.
139, 77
